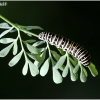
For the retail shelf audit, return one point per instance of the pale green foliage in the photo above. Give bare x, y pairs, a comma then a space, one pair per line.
5, 51
61, 62
57, 78
15, 59
5, 32
45, 67
4, 25
15, 47
32, 49
93, 70
6, 40
25, 68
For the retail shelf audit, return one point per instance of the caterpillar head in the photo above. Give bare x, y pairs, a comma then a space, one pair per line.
41, 35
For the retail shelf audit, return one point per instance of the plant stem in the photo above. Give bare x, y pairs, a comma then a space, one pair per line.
49, 49
17, 26
25, 31
53, 62
70, 59
22, 44
8, 21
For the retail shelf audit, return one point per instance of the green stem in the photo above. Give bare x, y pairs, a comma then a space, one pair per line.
25, 31
49, 50
18, 27
22, 44
50, 54
8, 21
70, 59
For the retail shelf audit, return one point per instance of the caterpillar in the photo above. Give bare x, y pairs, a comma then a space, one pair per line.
67, 45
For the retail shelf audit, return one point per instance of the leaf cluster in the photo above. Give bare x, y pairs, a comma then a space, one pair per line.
35, 57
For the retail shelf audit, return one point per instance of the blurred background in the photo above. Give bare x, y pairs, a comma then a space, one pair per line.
78, 21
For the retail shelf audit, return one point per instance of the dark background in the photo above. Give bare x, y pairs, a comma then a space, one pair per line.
78, 21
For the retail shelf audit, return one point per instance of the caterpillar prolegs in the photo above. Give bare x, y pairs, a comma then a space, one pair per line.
67, 45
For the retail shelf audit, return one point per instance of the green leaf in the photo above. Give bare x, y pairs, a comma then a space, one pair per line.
33, 69
53, 62
43, 55
6, 40
93, 70
74, 76
15, 60
38, 43
4, 25
45, 67
60, 62
35, 57
62, 68
29, 41
61, 51
13, 30
41, 49
55, 55
36, 63
5, 32
65, 71
75, 70
15, 48
33, 27
57, 78
30, 27
5, 51
74, 59
33, 49
85, 72
83, 77
30, 35
25, 68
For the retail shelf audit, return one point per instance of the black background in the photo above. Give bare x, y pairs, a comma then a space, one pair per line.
79, 21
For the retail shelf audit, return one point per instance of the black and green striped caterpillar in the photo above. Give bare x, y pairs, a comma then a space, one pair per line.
67, 45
